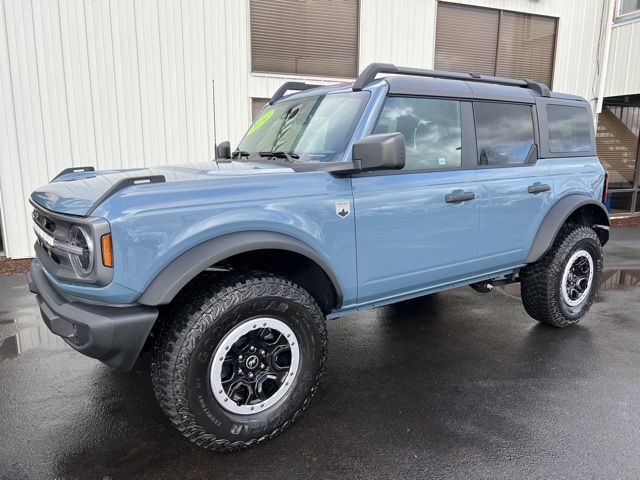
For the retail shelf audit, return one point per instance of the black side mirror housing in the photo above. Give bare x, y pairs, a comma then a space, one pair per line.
382, 151
223, 150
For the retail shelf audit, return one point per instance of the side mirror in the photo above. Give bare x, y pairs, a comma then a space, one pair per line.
379, 152
383, 151
223, 150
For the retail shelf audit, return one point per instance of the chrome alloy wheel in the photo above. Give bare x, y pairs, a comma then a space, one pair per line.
577, 278
254, 365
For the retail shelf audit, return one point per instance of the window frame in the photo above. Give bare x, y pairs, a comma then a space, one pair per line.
467, 137
536, 136
550, 105
500, 12
260, 72
469, 161
543, 125
622, 17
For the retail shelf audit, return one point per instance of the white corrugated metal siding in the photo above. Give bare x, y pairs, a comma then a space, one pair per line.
623, 75
123, 83
113, 84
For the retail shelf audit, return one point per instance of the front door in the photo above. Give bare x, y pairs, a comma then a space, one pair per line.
417, 228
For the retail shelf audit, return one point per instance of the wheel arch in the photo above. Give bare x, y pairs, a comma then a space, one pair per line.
184, 268
579, 209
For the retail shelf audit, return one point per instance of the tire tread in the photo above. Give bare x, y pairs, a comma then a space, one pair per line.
193, 312
539, 279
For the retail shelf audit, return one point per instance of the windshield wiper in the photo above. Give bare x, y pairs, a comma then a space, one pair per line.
290, 157
239, 154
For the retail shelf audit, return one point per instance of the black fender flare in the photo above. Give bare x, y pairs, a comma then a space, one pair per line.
558, 215
166, 285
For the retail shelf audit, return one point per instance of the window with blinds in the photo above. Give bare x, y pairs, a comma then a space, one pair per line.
256, 105
495, 42
308, 37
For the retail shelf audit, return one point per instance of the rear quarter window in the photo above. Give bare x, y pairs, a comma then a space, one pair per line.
569, 129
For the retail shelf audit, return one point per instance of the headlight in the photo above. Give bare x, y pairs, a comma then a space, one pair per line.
82, 263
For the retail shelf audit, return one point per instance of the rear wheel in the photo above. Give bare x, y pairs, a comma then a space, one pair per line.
560, 288
239, 360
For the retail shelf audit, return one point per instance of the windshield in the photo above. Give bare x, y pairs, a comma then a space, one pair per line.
309, 129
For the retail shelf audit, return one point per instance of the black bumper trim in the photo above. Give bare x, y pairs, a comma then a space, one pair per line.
113, 335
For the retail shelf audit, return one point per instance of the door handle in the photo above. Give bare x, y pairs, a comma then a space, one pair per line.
454, 197
538, 188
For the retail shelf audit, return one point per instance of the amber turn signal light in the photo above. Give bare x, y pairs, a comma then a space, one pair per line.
107, 251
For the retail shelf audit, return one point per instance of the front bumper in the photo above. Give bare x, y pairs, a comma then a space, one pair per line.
113, 335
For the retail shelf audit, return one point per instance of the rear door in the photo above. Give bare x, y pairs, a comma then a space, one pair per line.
417, 228
516, 187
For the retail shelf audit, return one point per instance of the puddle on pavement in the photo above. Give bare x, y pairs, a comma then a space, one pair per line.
31, 338
610, 280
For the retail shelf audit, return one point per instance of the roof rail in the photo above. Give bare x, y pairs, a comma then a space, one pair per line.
124, 183
290, 86
369, 74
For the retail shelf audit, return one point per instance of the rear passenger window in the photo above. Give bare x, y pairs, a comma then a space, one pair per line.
569, 129
431, 129
504, 133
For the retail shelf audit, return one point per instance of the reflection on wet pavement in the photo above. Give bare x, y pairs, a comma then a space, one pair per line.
610, 280
21, 328
37, 335
28, 339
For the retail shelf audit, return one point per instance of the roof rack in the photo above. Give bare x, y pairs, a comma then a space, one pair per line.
290, 86
369, 74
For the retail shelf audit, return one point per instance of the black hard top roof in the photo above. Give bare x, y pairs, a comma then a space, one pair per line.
416, 81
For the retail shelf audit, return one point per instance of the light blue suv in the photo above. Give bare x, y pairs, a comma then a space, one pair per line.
338, 199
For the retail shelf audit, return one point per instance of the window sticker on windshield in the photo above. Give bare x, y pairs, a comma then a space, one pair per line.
261, 121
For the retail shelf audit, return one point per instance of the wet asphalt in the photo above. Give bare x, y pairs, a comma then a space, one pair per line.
454, 385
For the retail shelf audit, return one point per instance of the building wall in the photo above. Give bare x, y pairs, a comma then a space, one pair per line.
113, 84
125, 83
623, 71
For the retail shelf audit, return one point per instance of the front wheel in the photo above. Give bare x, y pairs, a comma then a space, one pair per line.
239, 359
559, 288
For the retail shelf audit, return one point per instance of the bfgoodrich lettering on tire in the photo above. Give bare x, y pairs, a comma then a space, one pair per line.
560, 288
238, 359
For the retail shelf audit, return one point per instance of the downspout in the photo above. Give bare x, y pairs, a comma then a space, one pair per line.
605, 57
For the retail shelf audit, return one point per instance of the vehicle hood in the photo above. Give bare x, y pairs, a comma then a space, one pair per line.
79, 193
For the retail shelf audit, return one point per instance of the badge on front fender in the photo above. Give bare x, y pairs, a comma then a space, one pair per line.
343, 208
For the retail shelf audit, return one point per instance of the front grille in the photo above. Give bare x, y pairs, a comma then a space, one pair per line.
54, 258
44, 222
54, 253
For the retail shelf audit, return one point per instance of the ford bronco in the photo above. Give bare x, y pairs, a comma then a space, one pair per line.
338, 199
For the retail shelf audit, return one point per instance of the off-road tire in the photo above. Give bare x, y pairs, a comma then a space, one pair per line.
193, 328
542, 281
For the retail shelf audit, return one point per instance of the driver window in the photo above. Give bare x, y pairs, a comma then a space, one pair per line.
431, 129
